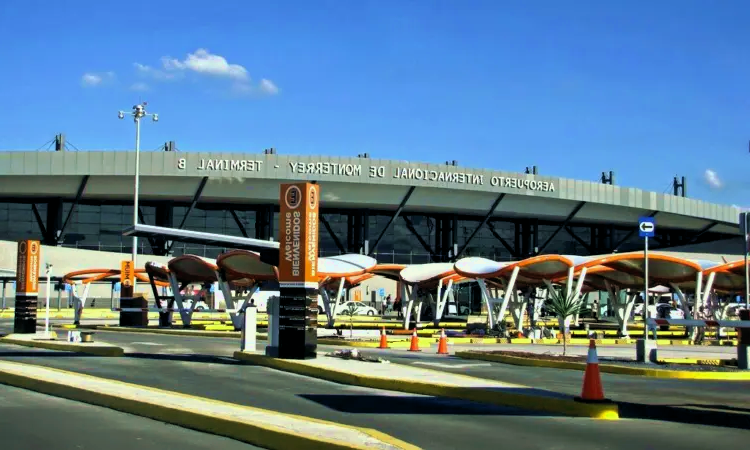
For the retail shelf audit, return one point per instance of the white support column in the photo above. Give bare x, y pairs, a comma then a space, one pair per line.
518, 310
578, 289
443, 300
612, 296
185, 315
339, 297
509, 289
569, 284
683, 300
438, 297
487, 302
408, 292
327, 307
623, 312
698, 292
707, 288
79, 302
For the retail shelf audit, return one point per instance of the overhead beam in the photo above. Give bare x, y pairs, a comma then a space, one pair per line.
479, 227
502, 240
393, 219
193, 203
701, 232
40, 222
630, 234
238, 222
578, 239
332, 234
410, 226
79, 194
562, 225
151, 240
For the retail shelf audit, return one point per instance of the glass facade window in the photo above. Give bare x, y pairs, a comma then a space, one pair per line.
100, 226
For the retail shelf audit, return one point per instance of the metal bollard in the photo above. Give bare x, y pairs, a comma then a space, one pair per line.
249, 328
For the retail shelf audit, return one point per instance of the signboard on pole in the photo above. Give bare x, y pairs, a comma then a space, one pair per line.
28, 257
27, 268
646, 227
298, 270
127, 273
127, 278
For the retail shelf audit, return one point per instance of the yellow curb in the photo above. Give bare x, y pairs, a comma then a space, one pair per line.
88, 348
260, 435
371, 344
607, 368
196, 333
529, 402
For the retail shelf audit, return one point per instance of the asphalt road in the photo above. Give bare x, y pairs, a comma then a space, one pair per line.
31, 421
650, 391
201, 366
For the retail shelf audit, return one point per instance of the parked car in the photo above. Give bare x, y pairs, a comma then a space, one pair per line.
361, 309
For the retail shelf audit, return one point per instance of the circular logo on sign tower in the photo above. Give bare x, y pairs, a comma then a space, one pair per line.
313, 197
34, 248
22, 247
293, 197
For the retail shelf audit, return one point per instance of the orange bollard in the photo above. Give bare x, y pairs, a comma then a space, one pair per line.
414, 342
383, 339
443, 343
592, 381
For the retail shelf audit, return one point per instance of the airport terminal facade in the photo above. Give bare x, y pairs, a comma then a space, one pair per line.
397, 211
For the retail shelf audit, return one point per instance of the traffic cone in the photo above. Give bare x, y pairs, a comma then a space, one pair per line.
414, 342
443, 343
592, 381
383, 339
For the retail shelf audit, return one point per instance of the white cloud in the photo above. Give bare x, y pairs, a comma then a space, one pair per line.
204, 62
139, 87
712, 178
268, 87
91, 79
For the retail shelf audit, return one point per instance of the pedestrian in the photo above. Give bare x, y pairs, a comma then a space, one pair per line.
386, 302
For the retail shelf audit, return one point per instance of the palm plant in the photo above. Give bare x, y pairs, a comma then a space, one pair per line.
564, 306
351, 311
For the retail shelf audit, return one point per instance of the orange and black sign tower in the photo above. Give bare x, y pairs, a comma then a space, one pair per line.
298, 270
27, 286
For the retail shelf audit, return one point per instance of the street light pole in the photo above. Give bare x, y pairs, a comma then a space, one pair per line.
139, 112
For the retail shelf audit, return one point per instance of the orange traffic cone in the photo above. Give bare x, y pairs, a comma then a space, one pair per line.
592, 381
383, 339
414, 342
443, 343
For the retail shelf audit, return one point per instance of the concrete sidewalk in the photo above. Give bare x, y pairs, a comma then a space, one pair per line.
403, 378
260, 427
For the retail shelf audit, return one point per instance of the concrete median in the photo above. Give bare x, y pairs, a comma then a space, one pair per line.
91, 348
264, 428
402, 378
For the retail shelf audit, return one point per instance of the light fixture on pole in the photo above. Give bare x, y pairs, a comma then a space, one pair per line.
139, 112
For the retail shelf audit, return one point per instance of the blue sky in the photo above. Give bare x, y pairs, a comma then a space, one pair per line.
648, 89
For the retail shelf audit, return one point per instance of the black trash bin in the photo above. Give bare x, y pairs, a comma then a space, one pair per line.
135, 318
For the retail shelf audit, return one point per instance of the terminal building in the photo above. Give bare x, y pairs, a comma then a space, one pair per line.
403, 212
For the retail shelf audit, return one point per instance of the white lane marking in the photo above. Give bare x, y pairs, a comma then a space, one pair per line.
146, 343
452, 366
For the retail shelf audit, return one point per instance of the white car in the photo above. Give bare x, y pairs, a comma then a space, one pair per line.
360, 309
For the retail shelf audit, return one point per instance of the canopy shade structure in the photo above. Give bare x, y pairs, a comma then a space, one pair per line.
390, 271
7, 272
348, 265
530, 272
193, 269
424, 273
728, 277
245, 264
627, 270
